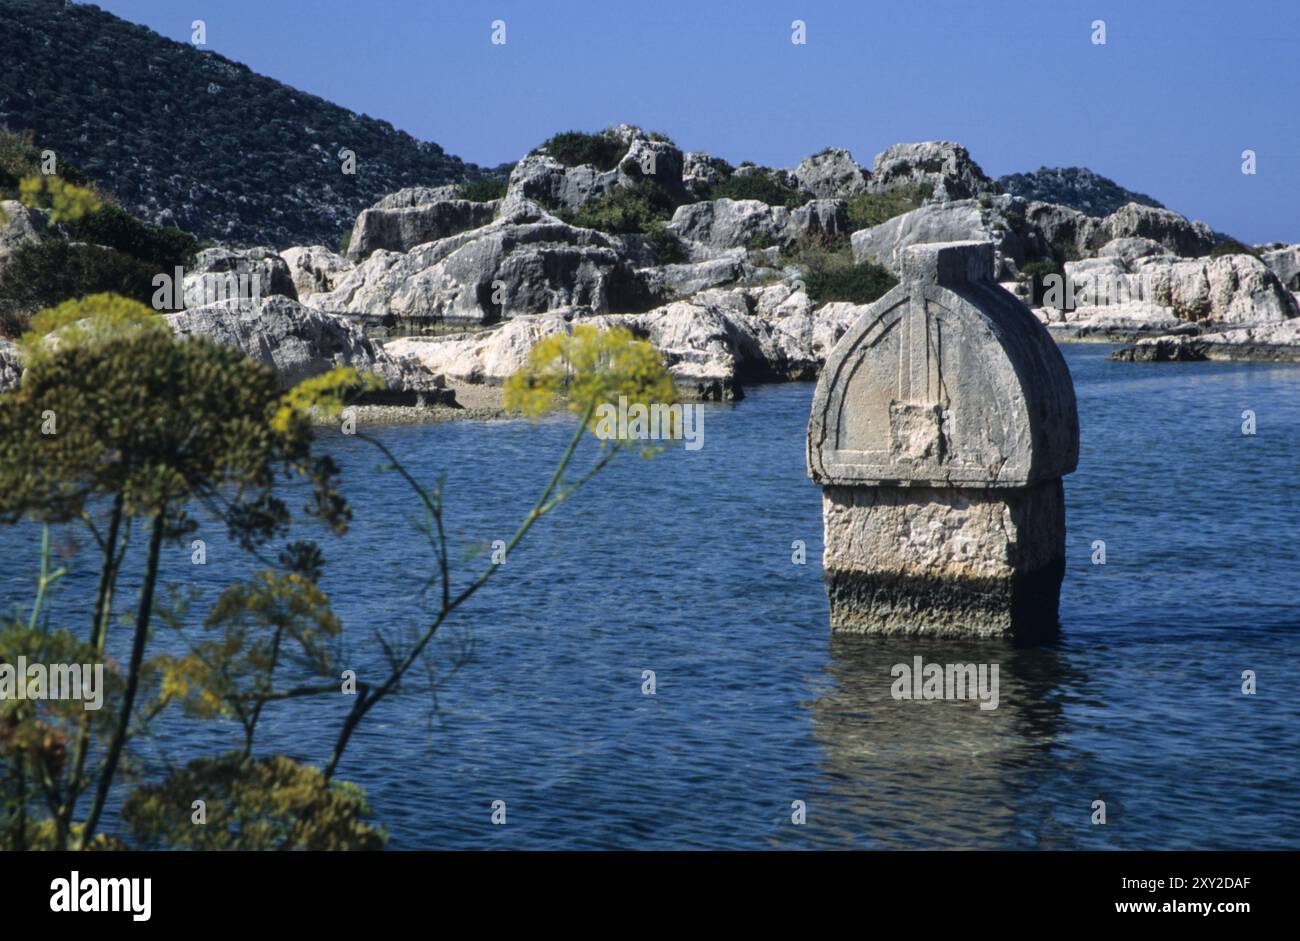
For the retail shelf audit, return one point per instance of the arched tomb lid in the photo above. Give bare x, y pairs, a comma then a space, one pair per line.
946, 381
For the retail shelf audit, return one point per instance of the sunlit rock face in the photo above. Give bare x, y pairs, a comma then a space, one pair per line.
941, 428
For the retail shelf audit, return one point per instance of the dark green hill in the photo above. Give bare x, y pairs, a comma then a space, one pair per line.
1076, 187
186, 137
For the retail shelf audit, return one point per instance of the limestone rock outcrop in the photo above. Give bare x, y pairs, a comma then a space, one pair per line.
694, 343
1224, 289
1176, 233
1277, 342
999, 220
1285, 263
550, 183
545, 180
653, 160
426, 258
219, 274
832, 174
686, 278
314, 269
713, 343
400, 230
942, 165
298, 343
18, 226
412, 196
700, 173
748, 223
1127, 251
1083, 235
526, 263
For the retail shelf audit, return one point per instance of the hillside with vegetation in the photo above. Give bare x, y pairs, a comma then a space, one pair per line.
181, 136
1076, 187
62, 237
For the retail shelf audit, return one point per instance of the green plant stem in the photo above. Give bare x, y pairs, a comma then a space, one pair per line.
369, 699
98, 630
132, 681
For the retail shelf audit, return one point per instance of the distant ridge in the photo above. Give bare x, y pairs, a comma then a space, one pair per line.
1076, 187
185, 137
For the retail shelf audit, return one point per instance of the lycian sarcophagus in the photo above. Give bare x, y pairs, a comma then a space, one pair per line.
941, 427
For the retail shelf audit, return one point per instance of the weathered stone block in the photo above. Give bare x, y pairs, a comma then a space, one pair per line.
942, 561
940, 430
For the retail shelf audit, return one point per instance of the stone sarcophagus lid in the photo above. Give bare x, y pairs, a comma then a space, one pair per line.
941, 427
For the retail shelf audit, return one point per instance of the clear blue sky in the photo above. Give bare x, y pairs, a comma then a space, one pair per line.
1166, 107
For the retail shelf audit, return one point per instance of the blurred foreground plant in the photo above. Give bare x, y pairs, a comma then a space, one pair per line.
120, 426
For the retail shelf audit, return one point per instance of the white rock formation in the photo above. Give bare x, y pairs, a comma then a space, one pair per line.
528, 263
942, 165
400, 230
831, 174
219, 274
18, 226
1224, 289
1277, 342
712, 343
1082, 235
314, 269
748, 223
299, 343
1285, 263
997, 219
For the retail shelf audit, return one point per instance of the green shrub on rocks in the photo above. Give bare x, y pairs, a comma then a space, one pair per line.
575, 148
20, 159
765, 187
482, 191
668, 248
1227, 245
107, 249
860, 283
43, 274
724, 168
830, 273
1063, 251
812, 250
113, 227
1036, 273
624, 210
871, 209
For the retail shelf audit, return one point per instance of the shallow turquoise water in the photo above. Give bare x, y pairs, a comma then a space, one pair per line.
682, 565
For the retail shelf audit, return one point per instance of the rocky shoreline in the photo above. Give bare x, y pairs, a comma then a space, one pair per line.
1271, 343
441, 294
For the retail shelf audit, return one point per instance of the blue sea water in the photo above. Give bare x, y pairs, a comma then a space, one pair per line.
682, 565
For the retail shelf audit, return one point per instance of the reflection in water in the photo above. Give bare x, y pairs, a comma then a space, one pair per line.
932, 772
